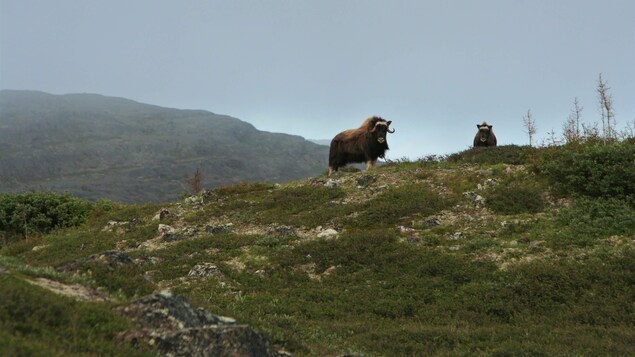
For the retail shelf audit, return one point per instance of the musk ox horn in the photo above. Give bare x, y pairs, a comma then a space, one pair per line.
392, 132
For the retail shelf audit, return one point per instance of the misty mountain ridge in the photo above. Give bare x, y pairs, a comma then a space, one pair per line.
97, 146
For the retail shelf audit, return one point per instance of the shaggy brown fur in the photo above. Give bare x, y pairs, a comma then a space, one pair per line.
485, 135
364, 144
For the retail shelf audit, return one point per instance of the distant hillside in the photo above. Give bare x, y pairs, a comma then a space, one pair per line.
326, 142
103, 147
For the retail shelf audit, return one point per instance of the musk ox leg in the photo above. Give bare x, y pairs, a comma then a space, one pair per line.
370, 163
331, 169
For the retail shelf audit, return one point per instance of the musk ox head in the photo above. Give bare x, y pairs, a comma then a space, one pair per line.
379, 128
485, 135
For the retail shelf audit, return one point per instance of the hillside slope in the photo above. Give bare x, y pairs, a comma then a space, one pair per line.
478, 254
104, 147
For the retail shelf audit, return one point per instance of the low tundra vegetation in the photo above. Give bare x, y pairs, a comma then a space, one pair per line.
499, 251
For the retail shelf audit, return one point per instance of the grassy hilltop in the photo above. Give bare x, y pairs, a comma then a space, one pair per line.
504, 251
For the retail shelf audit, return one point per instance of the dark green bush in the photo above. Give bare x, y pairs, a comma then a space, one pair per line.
127, 278
594, 170
515, 197
507, 154
599, 217
399, 204
310, 206
41, 212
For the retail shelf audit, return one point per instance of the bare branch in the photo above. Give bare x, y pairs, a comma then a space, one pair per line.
571, 128
607, 114
530, 126
195, 182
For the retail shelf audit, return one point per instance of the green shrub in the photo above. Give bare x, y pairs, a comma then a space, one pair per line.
399, 204
515, 197
598, 217
41, 212
506, 154
309, 206
105, 205
594, 170
126, 279
596, 291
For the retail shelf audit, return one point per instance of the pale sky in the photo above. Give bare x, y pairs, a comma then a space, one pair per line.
435, 68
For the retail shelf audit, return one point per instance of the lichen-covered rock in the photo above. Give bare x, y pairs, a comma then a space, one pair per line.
474, 197
176, 328
365, 180
281, 230
168, 233
331, 183
110, 258
219, 228
194, 202
119, 227
206, 270
328, 233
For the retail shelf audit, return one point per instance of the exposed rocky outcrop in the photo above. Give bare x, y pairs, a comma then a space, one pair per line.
205, 270
176, 328
110, 258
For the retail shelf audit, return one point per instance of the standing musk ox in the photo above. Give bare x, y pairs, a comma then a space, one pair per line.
364, 144
485, 136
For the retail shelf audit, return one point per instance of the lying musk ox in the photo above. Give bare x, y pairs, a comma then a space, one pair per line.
364, 144
485, 136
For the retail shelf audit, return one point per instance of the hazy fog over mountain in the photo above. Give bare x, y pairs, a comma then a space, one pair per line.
105, 147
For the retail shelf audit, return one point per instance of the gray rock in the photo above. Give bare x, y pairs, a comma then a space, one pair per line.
491, 182
427, 223
194, 202
536, 244
331, 183
365, 180
145, 260
120, 227
165, 229
474, 197
111, 258
220, 228
206, 270
189, 231
39, 247
281, 230
176, 328
208, 196
455, 235
168, 233
328, 233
